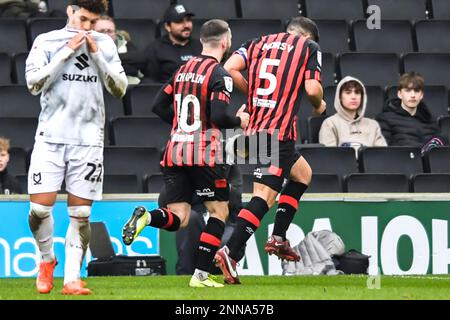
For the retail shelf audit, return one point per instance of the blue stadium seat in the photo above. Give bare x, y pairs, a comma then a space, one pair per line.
432, 36
394, 36
376, 182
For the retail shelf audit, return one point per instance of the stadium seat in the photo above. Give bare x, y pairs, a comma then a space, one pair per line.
23, 182
401, 9
327, 9
20, 131
441, 9
153, 183
432, 36
376, 182
37, 26
121, 183
18, 160
444, 124
314, 125
375, 101
268, 9
431, 182
13, 35
328, 69
18, 71
139, 100
59, 5
325, 183
131, 160
333, 35
247, 29
113, 107
330, 160
402, 160
142, 31
213, 9
435, 97
5, 69
16, 101
140, 132
394, 36
432, 66
373, 69
437, 160
140, 9
247, 183
197, 24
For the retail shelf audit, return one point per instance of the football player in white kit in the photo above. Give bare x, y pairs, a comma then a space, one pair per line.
67, 67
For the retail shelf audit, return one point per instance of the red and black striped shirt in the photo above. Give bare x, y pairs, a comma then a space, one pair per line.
278, 64
195, 138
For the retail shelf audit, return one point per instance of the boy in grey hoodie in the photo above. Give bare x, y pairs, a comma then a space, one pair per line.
349, 127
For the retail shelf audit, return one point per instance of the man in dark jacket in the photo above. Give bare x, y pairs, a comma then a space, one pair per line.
8, 184
406, 120
167, 54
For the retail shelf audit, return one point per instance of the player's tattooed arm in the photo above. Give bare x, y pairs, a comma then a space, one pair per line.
112, 72
40, 72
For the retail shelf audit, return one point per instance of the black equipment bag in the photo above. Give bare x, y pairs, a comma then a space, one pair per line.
107, 263
352, 262
127, 266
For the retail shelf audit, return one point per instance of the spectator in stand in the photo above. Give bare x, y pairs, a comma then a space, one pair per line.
348, 127
167, 54
8, 183
132, 59
406, 120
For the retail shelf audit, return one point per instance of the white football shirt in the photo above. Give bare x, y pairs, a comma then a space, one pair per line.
70, 83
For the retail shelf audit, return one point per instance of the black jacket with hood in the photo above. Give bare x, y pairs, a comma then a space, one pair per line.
400, 128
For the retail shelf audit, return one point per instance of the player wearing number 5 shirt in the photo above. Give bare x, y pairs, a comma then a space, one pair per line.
68, 68
280, 67
200, 91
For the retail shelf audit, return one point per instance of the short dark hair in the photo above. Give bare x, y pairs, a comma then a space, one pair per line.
413, 79
303, 25
213, 30
94, 6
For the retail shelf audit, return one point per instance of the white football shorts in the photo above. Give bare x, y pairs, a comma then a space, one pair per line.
81, 167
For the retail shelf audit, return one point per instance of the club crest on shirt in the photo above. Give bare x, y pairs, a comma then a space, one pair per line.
228, 83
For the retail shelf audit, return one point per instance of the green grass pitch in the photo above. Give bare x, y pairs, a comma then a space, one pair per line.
252, 288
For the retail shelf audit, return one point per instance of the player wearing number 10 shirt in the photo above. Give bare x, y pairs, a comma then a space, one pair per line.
280, 68
200, 92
